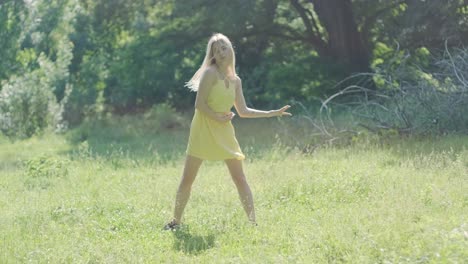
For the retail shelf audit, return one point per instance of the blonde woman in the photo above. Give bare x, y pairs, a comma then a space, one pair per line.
212, 135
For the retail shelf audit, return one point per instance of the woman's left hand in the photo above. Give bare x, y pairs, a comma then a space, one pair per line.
282, 111
224, 117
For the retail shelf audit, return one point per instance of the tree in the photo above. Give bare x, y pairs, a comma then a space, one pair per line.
10, 35
331, 28
427, 24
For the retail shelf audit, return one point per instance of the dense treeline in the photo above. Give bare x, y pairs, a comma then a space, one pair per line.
64, 59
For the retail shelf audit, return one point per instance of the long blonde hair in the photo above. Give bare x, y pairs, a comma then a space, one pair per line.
210, 60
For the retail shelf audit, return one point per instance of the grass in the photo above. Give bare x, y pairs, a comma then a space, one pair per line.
101, 194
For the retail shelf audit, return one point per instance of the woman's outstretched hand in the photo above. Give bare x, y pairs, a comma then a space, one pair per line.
282, 111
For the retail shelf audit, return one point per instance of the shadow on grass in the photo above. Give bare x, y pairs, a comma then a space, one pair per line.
192, 244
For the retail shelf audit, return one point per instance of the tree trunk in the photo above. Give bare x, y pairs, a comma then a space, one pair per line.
344, 41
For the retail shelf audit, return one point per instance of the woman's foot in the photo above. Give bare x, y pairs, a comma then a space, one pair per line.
173, 225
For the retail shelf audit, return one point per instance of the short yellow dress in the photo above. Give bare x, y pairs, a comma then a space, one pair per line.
210, 139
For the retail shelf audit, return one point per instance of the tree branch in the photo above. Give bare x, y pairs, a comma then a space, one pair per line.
312, 34
370, 20
305, 18
312, 20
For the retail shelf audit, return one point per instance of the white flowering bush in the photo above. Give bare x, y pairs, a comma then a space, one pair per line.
26, 106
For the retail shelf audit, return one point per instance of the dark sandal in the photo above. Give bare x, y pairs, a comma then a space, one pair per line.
171, 226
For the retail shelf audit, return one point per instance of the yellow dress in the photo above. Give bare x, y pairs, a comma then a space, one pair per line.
210, 139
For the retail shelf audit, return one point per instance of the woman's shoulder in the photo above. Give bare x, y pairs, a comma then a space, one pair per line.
209, 73
210, 70
237, 80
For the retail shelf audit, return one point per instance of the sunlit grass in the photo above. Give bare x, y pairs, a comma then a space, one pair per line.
104, 197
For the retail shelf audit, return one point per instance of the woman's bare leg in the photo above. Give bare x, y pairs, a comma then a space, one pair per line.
192, 164
245, 195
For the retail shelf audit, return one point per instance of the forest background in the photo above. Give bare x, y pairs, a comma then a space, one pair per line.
402, 64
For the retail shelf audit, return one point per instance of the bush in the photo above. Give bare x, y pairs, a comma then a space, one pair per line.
45, 166
41, 172
164, 117
160, 117
27, 107
28, 103
417, 94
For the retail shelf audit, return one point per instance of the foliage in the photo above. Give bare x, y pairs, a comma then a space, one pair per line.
42, 171
418, 94
33, 98
110, 130
46, 167
412, 28
27, 107
126, 56
10, 35
165, 117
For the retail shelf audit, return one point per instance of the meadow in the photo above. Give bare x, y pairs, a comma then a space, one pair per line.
101, 193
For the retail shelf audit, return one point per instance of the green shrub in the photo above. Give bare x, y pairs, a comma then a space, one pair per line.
26, 107
416, 95
45, 166
41, 172
159, 118
164, 117
29, 103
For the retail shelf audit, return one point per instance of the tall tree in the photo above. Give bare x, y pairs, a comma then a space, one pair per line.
331, 28
429, 24
11, 13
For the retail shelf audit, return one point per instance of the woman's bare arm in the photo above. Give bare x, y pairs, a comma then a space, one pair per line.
246, 112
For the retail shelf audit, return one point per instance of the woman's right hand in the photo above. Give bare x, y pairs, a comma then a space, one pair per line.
281, 111
224, 117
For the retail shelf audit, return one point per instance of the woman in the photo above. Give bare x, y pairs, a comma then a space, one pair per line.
212, 135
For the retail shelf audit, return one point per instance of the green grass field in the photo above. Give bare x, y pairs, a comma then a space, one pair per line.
102, 195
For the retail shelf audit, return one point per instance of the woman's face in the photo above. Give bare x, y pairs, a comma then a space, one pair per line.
222, 52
